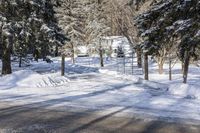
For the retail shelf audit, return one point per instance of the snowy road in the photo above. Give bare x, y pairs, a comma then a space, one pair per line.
101, 94
23, 119
92, 103
96, 91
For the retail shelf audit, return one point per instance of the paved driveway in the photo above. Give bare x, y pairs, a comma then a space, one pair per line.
22, 119
91, 103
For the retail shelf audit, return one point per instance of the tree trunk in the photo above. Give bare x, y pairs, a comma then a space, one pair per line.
56, 51
132, 60
6, 61
63, 66
170, 69
160, 61
182, 67
139, 57
160, 67
101, 54
101, 57
20, 61
1, 50
186, 67
146, 67
36, 54
44, 52
73, 54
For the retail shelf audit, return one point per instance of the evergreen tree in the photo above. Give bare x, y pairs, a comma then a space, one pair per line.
171, 23
97, 25
71, 17
27, 25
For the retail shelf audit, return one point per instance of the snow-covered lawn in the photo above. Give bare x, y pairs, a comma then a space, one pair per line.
86, 87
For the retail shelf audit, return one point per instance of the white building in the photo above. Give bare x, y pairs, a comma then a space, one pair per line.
110, 45
114, 43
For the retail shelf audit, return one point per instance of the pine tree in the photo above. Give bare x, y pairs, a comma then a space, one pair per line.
71, 17
97, 25
27, 25
171, 24
6, 33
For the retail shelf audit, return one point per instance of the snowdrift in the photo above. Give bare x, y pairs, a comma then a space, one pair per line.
185, 90
136, 80
28, 78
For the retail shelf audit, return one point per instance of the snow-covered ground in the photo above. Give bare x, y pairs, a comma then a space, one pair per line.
115, 66
87, 87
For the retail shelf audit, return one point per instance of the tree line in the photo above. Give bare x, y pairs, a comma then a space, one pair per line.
170, 28
28, 26
163, 29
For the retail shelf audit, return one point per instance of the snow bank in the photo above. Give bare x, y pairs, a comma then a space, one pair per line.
135, 79
28, 78
185, 90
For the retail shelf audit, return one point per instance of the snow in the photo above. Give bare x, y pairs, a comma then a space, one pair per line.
147, 32
86, 86
27, 78
83, 49
45, 28
170, 28
2, 18
185, 90
198, 34
182, 24
134, 79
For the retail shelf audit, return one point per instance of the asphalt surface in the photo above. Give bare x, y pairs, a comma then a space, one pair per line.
23, 119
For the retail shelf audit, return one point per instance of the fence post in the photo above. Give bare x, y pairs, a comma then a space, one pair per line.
124, 63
